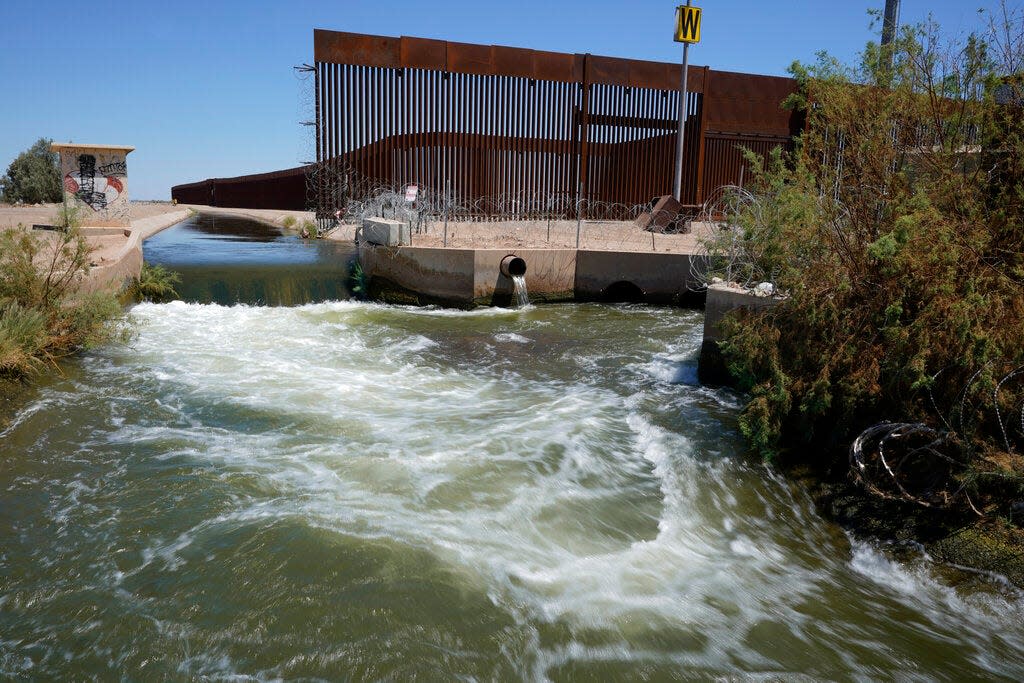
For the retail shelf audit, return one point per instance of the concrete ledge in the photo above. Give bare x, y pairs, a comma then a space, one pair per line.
721, 299
96, 231
386, 232
439, 275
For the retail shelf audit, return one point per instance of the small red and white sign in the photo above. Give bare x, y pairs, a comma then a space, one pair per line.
410, 192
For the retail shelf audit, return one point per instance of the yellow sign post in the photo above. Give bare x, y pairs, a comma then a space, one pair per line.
687, 24
687, 31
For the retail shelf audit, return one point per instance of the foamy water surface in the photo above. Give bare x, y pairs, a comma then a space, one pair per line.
350, 490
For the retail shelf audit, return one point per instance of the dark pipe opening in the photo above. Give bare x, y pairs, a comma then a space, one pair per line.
512, 266
622, 292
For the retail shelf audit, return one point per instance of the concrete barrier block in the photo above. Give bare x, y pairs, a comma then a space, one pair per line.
386, 232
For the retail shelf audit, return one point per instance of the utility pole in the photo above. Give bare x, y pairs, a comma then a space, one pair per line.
890, 24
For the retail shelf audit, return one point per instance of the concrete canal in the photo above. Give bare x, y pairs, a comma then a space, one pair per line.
350, 490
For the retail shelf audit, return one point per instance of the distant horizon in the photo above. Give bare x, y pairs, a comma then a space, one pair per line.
207, 90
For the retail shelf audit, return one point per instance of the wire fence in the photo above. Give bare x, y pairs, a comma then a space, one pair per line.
511, 219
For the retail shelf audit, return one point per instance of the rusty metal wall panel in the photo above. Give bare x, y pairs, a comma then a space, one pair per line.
509, 129
423, 53
724, 163
514, 131
745, 103
356, 48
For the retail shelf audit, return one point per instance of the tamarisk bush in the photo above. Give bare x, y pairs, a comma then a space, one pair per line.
895, 232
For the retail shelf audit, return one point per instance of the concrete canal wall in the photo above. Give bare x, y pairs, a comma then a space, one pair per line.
720, 300
122, 260
471, 277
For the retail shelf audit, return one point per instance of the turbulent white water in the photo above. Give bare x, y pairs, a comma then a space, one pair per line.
548, 491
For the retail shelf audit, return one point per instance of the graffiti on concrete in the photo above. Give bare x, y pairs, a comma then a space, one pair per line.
114, 168
98, 180
97, 188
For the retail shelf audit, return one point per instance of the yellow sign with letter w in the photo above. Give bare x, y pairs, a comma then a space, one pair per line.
687, 24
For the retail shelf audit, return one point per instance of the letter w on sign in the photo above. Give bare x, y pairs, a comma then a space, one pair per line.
687, 24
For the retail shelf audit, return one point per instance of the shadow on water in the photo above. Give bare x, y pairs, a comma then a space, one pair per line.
229, 260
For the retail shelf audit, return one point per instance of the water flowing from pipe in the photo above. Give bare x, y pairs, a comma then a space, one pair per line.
519, 293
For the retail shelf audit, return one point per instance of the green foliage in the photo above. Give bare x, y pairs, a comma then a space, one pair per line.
309, 229
289, 222
33, 177
43, 316
356, 279
69, 216
896, 234
22, 338
155, 284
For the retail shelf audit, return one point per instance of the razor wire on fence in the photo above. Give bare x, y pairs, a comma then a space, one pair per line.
343, 195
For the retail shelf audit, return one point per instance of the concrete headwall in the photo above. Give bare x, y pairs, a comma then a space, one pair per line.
419, 274
468, 277
550, 275
662, 278
721, 299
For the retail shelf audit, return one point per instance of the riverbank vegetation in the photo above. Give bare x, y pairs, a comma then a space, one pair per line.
43, 313
895, 232
155, 284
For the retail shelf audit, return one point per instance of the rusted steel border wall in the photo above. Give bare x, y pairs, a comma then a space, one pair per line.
509, 128
512, 131
278, 190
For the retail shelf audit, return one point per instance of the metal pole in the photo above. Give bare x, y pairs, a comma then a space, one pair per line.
890, 21
677, 190
890, 24
447, 191
579, 220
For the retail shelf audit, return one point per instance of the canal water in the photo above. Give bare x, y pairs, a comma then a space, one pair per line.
229, 260
343, 490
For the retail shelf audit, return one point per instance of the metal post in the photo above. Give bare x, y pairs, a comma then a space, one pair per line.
447, 190
579, 220
890, 24
890, 21
677, 190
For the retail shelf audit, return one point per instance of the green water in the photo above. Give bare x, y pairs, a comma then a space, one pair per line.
229, 259
348, 491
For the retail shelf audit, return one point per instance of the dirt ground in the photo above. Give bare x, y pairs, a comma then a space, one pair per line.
593, 235
106, 248
46, 214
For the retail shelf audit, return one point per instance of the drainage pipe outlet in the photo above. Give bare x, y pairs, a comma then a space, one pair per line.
512, 266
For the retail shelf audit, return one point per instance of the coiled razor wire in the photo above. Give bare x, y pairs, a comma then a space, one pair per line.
343, 195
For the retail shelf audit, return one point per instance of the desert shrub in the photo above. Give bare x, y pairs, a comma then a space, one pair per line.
895, 232
155, 284
288, 222
22, 338
43, 316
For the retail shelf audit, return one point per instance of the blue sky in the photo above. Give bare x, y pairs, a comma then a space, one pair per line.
206, 89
